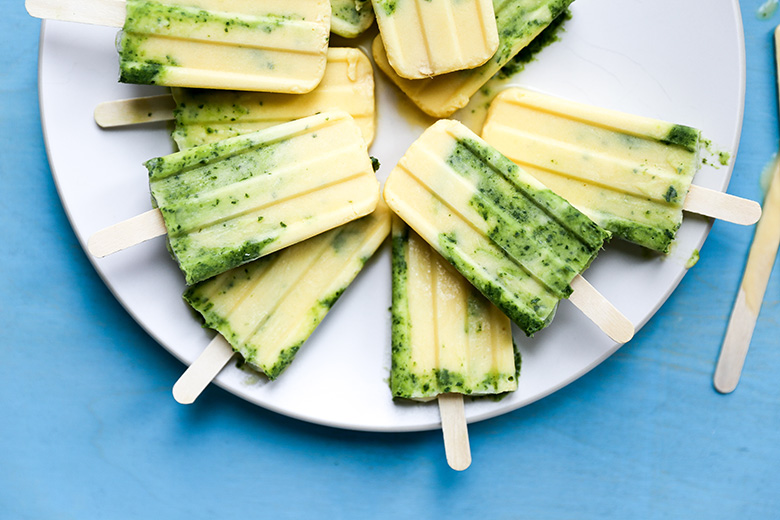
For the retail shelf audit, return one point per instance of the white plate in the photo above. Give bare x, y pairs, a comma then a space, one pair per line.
679, 61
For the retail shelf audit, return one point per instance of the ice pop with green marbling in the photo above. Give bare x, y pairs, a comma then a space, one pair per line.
272, 46
518, 23
519, 243
267, 309
447, 339
632, 175
208, 115
227, 203
425, 38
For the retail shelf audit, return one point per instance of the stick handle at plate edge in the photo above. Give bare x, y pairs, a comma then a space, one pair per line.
109, 13
134, 111
716, 204
455, 430
761, 258
203, 370
127, 233
600, 311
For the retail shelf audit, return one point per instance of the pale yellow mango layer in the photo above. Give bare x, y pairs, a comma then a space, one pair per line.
230, 202
268, 308
446, 336
511, 237
424, 38
630, 174
518, 22
273, 45
205, 116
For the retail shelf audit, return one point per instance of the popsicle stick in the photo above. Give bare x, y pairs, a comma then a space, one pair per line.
761, 258
588, 300
127, 233
109, 13
203, 370
455, 430
122, 112
716, 204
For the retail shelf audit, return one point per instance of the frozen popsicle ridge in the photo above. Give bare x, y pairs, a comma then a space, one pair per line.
518, 242
267, 309
630, 174
227, 203
425, 38
274, 45
208, 115
447, 339
518, 23
204, 116
270, 46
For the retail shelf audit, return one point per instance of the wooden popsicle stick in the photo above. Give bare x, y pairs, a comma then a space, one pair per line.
735, 345
591, 302
716, 204
109, 13
455, 430
133, 111
203, 370
761, 258
127, 233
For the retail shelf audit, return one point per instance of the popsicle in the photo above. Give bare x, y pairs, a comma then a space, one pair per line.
446, 337
204, 115
267, 309
630, 174
350, 18
424, 38
227, 203
273, 45
516, 241
518, 22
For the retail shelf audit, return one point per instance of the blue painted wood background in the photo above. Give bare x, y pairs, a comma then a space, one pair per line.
88, 428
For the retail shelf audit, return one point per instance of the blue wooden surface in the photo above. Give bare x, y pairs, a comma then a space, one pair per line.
88, 428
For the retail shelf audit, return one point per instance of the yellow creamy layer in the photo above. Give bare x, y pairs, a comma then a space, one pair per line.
235, 200
274, 45
515, 240
424, 38
518, 22
624, 171
268, 308
446, 336
204, 116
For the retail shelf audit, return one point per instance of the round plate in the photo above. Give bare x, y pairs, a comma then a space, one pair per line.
678, 61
